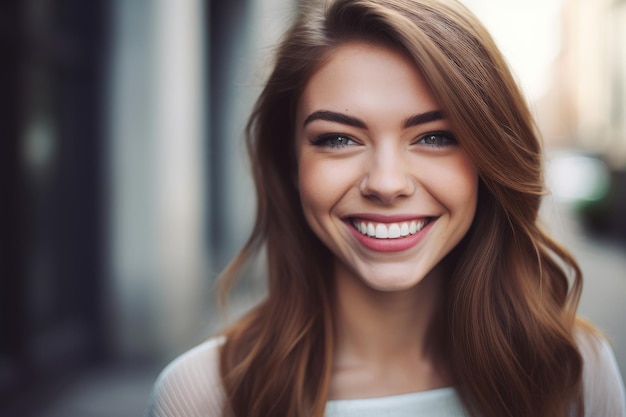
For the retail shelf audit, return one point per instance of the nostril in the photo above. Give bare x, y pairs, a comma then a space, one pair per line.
386, 185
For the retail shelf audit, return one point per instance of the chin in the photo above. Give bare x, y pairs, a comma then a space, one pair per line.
392, 283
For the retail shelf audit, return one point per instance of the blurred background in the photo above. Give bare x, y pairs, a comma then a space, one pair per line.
125, 188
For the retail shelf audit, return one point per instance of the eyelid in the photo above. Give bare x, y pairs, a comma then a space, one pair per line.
320, 139
442, 133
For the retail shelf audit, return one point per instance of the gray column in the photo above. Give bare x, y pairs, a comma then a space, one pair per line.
156, 164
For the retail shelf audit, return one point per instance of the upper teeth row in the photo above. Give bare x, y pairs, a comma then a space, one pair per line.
391, 231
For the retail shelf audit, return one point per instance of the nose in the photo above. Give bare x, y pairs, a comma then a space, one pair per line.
387, 176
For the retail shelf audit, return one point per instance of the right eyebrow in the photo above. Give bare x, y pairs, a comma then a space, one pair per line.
422, 118
331, 116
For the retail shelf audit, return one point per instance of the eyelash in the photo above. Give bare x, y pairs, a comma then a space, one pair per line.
325, 141
444, 139
447, 138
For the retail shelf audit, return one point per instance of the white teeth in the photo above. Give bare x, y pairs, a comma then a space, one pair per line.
394, 231
390, 231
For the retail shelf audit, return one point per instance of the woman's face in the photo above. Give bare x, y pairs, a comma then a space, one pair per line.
383, 183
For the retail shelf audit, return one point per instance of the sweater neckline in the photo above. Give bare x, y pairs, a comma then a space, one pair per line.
435, 393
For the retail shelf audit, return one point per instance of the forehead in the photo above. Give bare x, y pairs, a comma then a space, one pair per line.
360, 77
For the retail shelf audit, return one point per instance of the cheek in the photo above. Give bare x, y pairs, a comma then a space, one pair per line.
322, 184
467, 190
311, 181
456, 185
314, 183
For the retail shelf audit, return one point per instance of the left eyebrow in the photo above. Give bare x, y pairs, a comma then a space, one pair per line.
422, 118
332, 116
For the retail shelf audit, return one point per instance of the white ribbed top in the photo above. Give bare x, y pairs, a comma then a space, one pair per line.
190, 387
442, 402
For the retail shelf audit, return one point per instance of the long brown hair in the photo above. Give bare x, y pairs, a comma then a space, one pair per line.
510, 305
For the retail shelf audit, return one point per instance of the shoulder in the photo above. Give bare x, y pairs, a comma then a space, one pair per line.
603, 388
190, 385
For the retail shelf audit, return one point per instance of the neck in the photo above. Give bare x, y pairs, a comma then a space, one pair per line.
376, 326
388, 342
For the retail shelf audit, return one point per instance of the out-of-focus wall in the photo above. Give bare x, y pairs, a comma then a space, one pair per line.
157, 115
185, 76
242, 39
53, 196
588, 86
589, 79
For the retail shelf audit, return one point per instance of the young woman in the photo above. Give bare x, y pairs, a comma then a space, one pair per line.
399, 178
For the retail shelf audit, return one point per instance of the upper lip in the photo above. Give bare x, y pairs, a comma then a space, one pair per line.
387, 218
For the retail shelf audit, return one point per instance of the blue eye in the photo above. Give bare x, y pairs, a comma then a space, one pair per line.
437, 139
333, 141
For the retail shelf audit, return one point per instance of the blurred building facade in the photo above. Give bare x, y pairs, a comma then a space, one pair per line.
53, 245
127, 187
185, 76
127, 182
184, 79
584, 108
585, 105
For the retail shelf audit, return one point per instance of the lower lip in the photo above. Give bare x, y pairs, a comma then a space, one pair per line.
390, 245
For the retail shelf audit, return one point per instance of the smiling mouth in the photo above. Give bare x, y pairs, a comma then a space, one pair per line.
390, 230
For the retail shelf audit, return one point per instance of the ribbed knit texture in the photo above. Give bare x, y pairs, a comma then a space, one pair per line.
443, 402
190, 387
